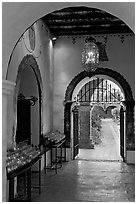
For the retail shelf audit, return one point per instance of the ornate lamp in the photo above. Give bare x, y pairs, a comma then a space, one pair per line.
92, 53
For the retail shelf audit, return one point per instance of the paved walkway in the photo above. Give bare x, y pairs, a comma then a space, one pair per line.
109, 149
87, 180
92, 181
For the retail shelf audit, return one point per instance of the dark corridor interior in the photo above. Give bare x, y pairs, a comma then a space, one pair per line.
23, 121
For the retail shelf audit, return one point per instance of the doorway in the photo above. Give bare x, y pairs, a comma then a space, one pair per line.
106, 144
28, 109
99, 89
28, 97
99, 120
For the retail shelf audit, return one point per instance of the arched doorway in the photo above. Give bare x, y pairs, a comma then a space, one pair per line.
128, 104
28, 102
99, 135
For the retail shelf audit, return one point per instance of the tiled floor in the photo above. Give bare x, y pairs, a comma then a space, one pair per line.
95, 176
82, 181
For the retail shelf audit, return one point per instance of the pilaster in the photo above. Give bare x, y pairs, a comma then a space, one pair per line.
7, 88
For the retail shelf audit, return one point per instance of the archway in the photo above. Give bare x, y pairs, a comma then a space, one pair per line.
28, 90
128, 104
7, 52
31, 13
99, 135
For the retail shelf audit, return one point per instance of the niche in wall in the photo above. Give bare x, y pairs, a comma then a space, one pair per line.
27, 111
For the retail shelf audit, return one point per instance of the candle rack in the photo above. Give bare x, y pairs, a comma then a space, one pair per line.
19, 164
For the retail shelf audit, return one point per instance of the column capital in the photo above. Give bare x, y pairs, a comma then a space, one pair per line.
7, 86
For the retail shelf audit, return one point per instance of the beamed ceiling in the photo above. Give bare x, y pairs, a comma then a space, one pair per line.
83, 21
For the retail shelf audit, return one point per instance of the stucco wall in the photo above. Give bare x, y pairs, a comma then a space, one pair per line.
18, 16
29, 87
67, 64
31, 12
43, 55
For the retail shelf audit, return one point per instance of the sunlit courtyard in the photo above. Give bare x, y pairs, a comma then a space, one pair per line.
109, 148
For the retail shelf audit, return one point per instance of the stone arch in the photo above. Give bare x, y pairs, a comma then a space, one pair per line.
128, 103
100, 71
29, 62
110, 108
86, 80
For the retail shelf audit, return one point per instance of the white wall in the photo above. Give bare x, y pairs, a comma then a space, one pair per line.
67, 64
44, 61
18, 16
30, 12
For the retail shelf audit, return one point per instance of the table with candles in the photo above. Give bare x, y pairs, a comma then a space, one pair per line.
19, 162
55, 141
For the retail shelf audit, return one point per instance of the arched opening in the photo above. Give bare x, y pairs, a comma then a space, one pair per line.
99, 129
67, 124
124, 113
28, 102
50, 36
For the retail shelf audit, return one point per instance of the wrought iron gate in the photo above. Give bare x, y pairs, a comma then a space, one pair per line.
99, 90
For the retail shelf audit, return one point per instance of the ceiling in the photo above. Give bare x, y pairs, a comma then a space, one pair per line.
83, 21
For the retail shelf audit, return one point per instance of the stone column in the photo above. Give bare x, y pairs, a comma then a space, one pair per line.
75, 132
130, 132
91, 128
7, 87
67, 128
91, 123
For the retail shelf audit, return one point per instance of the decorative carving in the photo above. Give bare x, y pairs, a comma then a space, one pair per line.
32, 99
73, 40
122, 38
105, 40
21, 97
107, 37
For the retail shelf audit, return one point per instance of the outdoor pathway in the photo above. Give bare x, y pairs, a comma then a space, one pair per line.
109, 149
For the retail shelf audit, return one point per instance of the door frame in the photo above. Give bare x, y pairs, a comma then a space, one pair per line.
29, 62
124, 132
128, 103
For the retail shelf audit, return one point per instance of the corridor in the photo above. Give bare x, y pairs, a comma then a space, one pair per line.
97, 175
88, 181
109, 149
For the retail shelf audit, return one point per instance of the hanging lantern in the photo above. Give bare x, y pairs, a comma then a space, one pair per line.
90, 55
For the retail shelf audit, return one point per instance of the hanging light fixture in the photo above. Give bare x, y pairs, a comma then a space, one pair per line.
90, 55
